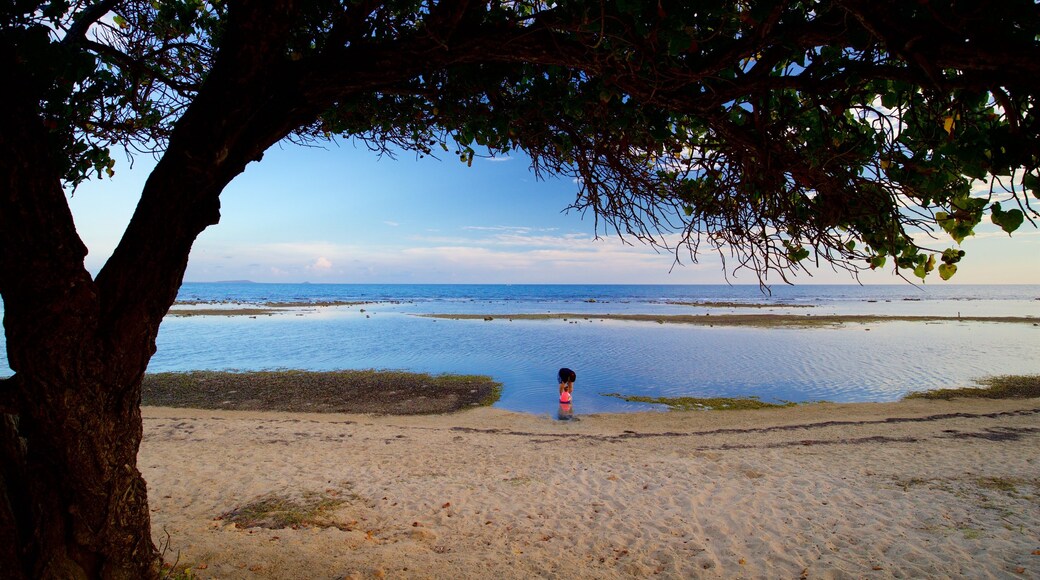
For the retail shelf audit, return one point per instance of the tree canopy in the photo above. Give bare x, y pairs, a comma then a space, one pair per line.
773, 131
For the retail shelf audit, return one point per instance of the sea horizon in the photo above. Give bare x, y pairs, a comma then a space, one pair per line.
910, 283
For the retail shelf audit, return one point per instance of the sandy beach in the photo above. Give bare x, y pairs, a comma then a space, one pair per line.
911, 489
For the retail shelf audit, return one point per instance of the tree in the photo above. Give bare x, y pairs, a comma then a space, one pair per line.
771, 131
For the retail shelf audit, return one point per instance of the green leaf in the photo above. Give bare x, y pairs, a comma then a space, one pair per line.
797, 254
952, 255
946, 271
890, 100
1008, 221
924, 266
759, 11
958, 229
628, 6
55, 10
678, 42
1032, 183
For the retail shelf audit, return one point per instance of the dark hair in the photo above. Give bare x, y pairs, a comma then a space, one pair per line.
566, 375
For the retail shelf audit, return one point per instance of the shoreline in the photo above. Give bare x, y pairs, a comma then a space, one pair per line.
914, 488
756, 320
823, 414
392, 392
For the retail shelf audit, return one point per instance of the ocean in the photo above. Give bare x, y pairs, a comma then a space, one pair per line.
872, 362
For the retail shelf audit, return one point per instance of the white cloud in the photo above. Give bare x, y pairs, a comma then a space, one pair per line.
517, 254
497, 228
322, 264
567, 240
500, 255
1001, 235
392, 224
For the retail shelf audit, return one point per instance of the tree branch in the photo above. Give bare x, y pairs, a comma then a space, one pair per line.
7, 396
350, 26
86, 18
243, 108
138, 67
935, 45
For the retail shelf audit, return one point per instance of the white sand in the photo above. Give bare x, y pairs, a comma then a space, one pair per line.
823, 491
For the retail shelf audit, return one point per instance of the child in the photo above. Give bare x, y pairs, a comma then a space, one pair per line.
566, 377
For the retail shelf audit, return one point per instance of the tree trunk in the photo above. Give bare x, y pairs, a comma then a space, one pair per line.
72, 503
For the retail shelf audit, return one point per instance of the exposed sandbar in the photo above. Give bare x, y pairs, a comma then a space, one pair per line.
758, 320
184, 309
719, 304
351, 391
183, 312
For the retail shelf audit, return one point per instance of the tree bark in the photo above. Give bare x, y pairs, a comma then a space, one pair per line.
72, 504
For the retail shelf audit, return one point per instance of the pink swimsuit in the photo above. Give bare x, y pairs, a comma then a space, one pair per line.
565, 397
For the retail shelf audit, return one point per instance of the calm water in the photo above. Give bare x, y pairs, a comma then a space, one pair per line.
878, 362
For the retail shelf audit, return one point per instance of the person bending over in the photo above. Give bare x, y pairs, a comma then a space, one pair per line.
566, 377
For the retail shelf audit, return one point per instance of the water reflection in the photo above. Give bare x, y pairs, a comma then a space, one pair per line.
876, 362
879, 362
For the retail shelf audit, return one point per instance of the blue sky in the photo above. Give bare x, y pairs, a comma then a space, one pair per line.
341, 214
